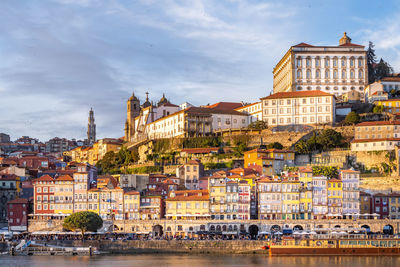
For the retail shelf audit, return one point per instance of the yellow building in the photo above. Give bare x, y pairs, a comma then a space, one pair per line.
394, 206
217, 191
188, 204
111, 203
96, 152
390, 105
305, 178
94, 200
268, 161
132, 205
64, 195
290, 198
335, 197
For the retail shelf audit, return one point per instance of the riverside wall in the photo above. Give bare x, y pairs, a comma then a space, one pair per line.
165, 246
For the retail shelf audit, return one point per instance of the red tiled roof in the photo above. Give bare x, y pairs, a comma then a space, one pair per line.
225, 105
296, 94
193, 162
64, 178
44, 178
305, 169
374, 140
216, 110
191, 195
18, 201
373, 123
132, 193
168, 105
391, 79
349, 171
303, 45
350, 44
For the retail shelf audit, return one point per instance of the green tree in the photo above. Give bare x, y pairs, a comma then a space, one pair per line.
378, 109
258, 125
352, 118
329, 138
83, 221
275, 145
371, 61
382, 69
301, 147
328, 171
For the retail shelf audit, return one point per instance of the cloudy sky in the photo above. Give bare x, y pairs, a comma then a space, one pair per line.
58, 58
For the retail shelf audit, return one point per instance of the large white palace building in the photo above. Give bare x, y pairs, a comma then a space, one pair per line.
332, 69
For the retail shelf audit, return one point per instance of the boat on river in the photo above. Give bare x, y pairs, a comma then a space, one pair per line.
381, 246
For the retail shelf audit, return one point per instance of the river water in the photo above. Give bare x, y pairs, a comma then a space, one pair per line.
199, 260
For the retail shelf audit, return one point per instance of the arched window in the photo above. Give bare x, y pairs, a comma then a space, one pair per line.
352, 74
309, 88
335, 74
335, 62
308, 74
299, 88
298, 62
344, 88
327, 74
308, 62
360, 62
318, 74
343, 62
352, 62
343, 74
335, 88
327, 61
317, 62
327, 88
360, 74
318, 88
353, 88
299, 74
361, 88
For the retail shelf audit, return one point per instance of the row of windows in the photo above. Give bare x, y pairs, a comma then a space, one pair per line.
327, 88
296, 110
327, 60
299, 74
310, 100
311, 119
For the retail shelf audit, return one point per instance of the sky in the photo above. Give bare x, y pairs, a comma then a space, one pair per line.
59, 58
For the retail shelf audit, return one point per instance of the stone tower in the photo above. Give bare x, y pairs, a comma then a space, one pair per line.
345, 39
91, 133
133, 110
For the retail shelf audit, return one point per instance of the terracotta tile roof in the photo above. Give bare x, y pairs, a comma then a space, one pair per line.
64, 178
200, 150
390, 79
225, 105
374, 140
349, 171
296, 94
193, 162
373, 123
303, 45
351, 44
305, 169
94, 190
190, 195
132, 193
169, 105
44, 178
18, 201
208, 110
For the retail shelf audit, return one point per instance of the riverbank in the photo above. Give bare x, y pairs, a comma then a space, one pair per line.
166, 246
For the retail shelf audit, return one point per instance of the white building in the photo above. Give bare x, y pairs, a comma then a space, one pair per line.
320, 196
351, 192
332, 69
254, 111
294, 108
195, 121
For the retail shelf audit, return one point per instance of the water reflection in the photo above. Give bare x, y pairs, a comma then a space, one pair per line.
200, 260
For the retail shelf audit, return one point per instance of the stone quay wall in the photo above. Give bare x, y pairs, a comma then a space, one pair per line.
165, 246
